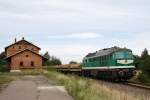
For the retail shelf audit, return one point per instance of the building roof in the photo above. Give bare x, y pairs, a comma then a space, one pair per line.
105, 51
29, 51
22, 41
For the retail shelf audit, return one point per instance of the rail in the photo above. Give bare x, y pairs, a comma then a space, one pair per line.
137, 85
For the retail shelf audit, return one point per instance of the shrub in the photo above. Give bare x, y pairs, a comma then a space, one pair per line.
144, 77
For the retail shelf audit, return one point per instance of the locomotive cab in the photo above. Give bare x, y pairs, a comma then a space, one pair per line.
123, 58
124, 61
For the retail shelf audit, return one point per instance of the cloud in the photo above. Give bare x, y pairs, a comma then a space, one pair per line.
139, 41
82, 35
72, 28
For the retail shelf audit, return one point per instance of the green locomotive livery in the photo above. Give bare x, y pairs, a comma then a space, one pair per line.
110, 63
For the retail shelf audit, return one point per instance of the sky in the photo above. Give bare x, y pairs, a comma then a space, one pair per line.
69, 29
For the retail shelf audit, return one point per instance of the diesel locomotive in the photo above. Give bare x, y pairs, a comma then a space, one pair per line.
115, 63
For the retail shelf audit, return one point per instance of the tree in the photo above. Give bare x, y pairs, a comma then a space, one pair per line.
2, 58
55, 61
136, 61
144, 65
52, 60
144, 54
3, 62
46, 55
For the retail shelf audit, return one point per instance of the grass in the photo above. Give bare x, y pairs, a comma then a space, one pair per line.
6, 78
32, 72
87, 89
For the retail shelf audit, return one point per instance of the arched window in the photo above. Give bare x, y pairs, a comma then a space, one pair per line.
32, 63
21, 63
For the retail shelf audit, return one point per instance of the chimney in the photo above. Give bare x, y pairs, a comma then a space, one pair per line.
15, 40
22, 38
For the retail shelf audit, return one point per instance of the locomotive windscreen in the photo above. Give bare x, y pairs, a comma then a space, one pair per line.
123, 55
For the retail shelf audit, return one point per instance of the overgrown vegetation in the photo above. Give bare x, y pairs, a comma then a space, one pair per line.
87, 89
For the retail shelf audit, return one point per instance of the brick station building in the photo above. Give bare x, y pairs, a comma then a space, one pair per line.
23, 55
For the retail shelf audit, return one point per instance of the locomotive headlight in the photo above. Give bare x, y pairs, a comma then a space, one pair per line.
124, 61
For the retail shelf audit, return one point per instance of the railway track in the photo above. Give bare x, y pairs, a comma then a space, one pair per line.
137, 85
129, 84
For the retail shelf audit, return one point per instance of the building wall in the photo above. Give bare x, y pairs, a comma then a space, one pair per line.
20, 47
26, 57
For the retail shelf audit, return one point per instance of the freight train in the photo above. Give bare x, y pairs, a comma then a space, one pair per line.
114, 64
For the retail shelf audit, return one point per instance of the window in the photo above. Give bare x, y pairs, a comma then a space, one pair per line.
119, 55
21, 63
86, 60
128, 55
123, 55
19, 47
32, 63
